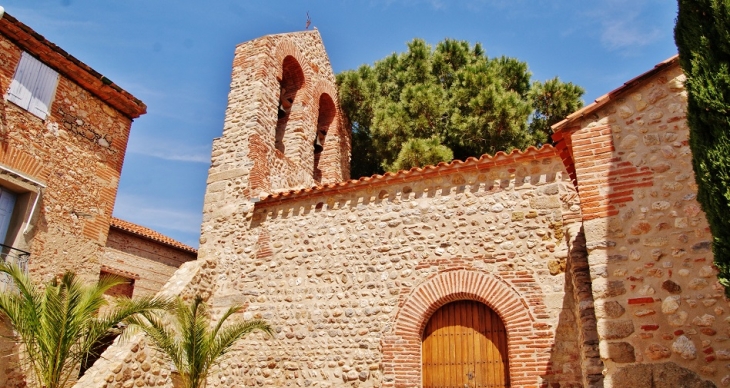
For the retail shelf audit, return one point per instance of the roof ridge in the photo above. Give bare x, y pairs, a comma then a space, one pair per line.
610, 96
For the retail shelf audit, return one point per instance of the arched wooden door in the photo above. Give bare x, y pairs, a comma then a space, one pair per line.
465, 345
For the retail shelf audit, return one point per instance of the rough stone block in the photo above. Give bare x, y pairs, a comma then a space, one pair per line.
615, 329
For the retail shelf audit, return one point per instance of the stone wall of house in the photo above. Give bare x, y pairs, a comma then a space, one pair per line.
662, 315
77, 153
150, 263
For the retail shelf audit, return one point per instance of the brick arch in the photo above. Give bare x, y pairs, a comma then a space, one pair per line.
402, 349
288, 58
287, 48
337, 141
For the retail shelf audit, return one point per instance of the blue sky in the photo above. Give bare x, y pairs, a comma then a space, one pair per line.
176, 57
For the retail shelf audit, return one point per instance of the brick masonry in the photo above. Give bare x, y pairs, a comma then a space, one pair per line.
147, 261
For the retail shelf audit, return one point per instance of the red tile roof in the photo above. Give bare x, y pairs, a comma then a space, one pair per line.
73, 69
416, 173
149, 234
612, 95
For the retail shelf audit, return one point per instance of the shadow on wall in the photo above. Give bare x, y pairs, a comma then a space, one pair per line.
574, 357
9, 359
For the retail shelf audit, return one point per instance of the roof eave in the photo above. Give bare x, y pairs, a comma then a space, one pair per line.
72, 68
614, 94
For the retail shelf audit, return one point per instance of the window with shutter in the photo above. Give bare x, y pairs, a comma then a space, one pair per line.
33, 86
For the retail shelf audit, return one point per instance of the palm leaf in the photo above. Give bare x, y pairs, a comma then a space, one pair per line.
192, 346
58, 325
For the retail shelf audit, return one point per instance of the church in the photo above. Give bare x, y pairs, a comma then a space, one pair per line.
583, 264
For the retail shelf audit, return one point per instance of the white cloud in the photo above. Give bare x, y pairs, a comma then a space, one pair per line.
623, 25
149, 213
622, 34
31, 17
169, 150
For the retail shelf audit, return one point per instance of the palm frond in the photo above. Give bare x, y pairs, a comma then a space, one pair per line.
193, 347
58, 325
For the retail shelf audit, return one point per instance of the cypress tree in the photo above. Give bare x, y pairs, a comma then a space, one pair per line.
702, 35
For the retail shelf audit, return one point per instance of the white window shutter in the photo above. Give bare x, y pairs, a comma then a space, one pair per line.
23, 80
43, 91
33, 86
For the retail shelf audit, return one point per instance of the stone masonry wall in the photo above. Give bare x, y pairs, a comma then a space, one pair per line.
153, 263
331, 271
77, 152
657, 298
349, 276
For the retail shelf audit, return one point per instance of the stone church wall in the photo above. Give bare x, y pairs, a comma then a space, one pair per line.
336, 271
348, 276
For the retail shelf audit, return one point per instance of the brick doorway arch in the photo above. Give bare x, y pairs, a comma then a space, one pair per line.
402, 348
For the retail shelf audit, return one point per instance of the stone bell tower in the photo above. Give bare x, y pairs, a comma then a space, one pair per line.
283, 129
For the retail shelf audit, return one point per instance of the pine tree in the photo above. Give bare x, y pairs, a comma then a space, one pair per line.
429, 105
702, 35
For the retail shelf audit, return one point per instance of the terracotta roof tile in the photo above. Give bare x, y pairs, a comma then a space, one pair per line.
149, 234
416, 173
612, 95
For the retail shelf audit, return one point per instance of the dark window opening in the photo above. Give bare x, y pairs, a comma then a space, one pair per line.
125, 289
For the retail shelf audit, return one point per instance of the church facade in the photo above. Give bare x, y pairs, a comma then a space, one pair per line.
583, 264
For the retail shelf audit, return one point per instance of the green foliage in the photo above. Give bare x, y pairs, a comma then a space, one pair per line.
421, 152
553, 101
57, 325
702, 35
191, 344
453, 95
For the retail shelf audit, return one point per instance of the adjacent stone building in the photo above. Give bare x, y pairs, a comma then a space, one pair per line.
63, 135
584, 264
143, 256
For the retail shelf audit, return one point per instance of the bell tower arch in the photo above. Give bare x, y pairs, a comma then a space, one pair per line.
283, 128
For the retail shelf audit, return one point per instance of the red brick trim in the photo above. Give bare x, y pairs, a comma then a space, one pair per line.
286, 47
402, 349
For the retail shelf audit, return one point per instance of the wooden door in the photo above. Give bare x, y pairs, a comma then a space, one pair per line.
465, 346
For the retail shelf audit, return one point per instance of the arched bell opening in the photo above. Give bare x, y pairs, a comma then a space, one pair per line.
292, 80
325, 119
